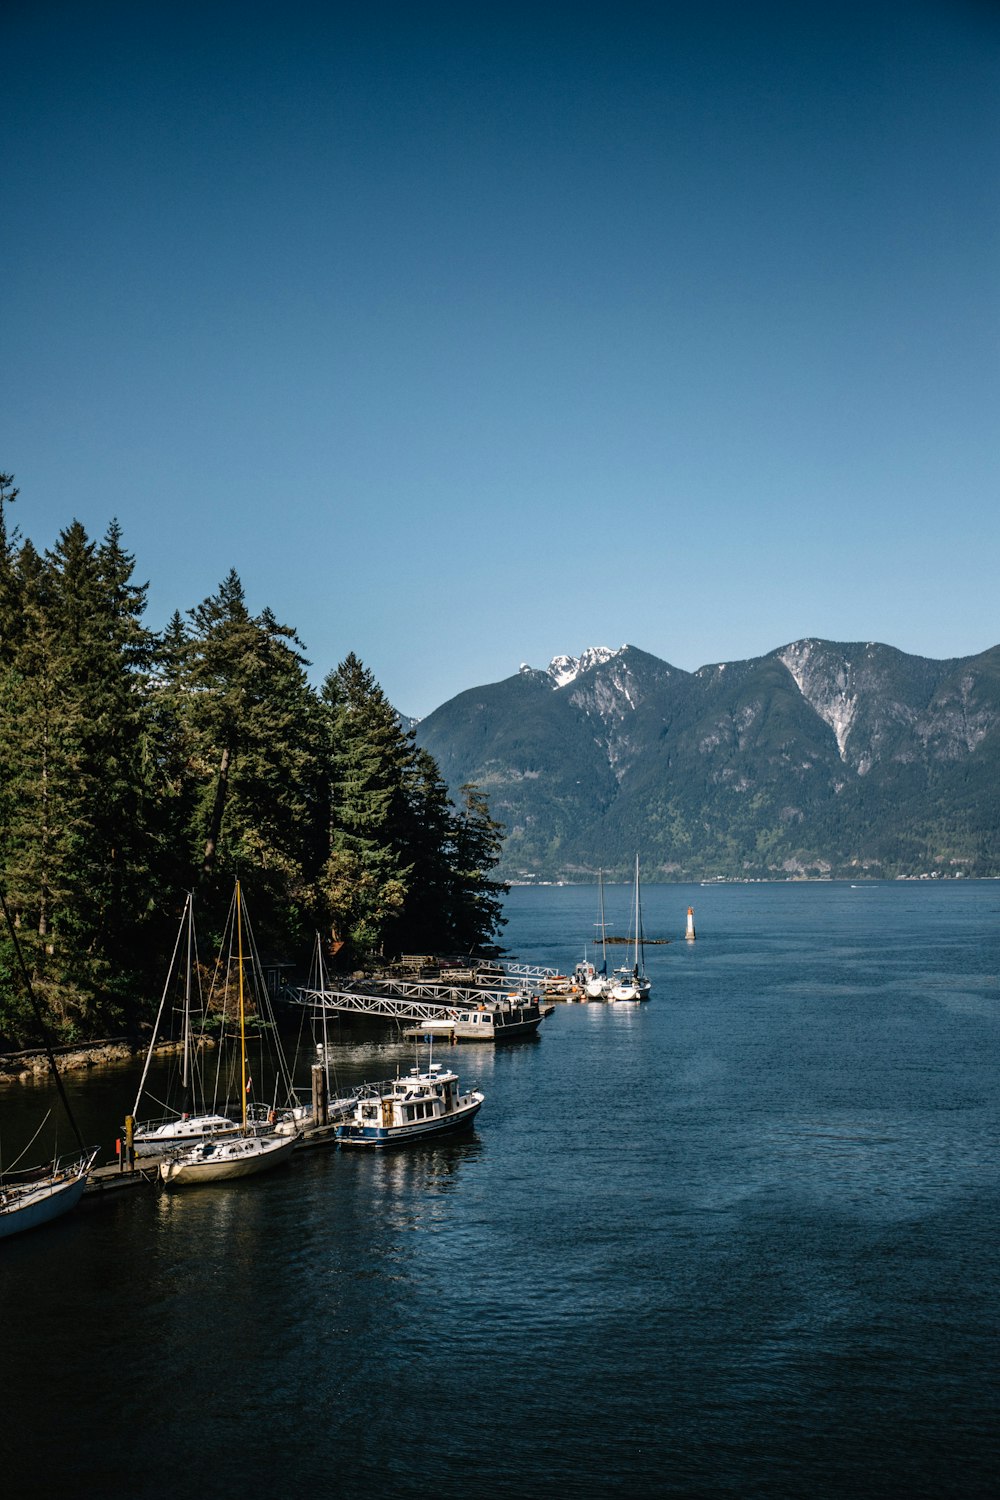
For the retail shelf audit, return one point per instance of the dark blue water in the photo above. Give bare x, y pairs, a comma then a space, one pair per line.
739, 1241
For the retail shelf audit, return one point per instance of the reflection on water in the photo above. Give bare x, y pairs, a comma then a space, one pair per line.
739, 1240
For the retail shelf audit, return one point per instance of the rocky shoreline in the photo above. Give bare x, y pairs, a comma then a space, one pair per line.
26, 1067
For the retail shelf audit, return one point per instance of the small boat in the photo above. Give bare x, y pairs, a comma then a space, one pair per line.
248, 1150
501, 1021
45, 1194
630, 981
584, 975
409, 1109
40, 1194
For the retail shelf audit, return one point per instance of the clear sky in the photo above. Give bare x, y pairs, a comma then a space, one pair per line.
473, 334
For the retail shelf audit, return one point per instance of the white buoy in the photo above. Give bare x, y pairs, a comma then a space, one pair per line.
689, 935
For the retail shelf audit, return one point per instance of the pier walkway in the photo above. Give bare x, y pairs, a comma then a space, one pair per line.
407, 1000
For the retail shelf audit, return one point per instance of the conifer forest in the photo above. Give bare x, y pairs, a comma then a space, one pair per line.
137, 765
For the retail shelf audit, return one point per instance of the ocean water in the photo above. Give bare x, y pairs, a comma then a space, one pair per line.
738, 1241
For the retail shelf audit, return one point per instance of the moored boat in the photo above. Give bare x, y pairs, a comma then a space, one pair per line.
44, 1195
254, 1146
598, 984
503, 1021
34, 1197
409, 1109
222, 1160
630, 981
191, 1121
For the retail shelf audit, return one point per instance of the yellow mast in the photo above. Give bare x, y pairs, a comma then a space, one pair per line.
243, 1029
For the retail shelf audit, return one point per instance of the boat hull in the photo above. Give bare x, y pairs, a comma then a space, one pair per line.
380, 1137
226, 1160
28, 1208
470, 1031
626, 993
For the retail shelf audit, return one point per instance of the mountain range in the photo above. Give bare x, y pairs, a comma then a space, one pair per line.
818, 759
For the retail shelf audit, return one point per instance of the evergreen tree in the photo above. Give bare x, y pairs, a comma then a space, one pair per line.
368, 874
478, 847
74, 857
11, 612
254, 735
431, 916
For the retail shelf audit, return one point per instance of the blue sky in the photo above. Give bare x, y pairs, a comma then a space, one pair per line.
470, 335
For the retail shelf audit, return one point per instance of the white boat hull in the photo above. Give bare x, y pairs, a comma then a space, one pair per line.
222, 1161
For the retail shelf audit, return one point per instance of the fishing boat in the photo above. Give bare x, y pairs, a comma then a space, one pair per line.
251, 1148
32, 1197
409, 1109
630, 981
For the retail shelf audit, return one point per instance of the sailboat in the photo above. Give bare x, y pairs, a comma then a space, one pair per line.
247, 1151
40, 1194
598, 985
191, 1122
630, 982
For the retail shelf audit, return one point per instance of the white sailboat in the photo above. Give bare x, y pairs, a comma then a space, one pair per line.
598, 985
189, 1123
630, 981
45, 1194
248, 1151
36, 1196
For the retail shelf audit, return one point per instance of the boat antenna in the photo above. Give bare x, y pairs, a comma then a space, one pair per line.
42, 1029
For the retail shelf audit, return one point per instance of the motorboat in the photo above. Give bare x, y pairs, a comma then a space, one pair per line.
404, 1110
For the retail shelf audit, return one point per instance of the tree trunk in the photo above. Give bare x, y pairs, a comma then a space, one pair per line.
214, 828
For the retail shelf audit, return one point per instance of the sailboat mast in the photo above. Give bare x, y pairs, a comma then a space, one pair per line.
39, 1021
243, 1025
635, 951
186, 1056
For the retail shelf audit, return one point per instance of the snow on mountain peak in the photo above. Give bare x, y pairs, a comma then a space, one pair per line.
565, 669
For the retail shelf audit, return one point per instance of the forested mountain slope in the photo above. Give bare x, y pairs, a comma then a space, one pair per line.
818, 758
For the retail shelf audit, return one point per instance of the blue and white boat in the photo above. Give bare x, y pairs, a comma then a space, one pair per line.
409, 1109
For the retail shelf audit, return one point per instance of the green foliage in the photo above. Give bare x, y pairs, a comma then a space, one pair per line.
134, 767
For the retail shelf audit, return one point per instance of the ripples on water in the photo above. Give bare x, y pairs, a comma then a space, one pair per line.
738, 1241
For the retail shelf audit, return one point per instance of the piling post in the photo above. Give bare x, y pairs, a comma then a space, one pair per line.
690, 934
320, 1097
129, 1142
